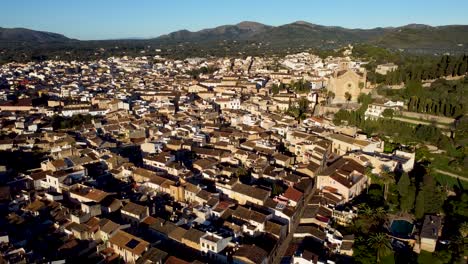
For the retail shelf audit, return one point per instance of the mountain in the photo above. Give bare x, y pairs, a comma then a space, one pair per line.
29, 36
246, 37
305, 34
241, 31
425, 37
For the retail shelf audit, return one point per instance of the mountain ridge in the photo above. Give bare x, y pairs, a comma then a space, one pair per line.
246, 37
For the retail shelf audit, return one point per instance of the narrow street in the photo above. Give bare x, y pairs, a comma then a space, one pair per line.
287, 241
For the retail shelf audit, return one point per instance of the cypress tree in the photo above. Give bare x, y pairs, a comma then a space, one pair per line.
419, 206
462, 68
403, 184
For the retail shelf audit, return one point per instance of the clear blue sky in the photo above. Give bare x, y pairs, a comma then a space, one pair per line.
107, 19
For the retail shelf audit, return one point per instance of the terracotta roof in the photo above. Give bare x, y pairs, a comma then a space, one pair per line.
251, 252
134, 208
175, 260
293, 194
129, 242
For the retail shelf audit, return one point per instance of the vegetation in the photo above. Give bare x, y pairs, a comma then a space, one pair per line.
407, 192
299, 109
447, 98
275, 88
195, 73
233, 41
300, 86
60, 122
428, 70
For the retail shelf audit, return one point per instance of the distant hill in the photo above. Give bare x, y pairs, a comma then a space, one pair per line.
300, 33
242, 31
246, 38
12, 35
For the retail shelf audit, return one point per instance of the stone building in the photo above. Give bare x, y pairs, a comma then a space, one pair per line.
347, 81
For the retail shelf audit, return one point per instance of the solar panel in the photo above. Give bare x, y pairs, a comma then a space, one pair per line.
132, 243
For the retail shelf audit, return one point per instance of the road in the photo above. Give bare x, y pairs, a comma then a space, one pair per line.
451, 175
287, 241
422, 122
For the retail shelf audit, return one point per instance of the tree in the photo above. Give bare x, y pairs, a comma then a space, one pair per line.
277, 189
275, 89
407, 204
381, 243
419, 206
348, 97
298, 111
407, 192
329, 95
434, 197
361, 85
386, 178
387, 113
463, 229
403, 184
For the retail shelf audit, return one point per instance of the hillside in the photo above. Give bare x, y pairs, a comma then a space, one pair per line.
14, 35
244, 38
300, 33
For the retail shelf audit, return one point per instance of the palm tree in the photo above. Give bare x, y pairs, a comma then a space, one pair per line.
386, 177
366, 210
463, 229
379, 213
381, 243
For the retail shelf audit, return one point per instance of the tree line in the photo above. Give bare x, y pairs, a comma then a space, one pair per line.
443, 97
433, 69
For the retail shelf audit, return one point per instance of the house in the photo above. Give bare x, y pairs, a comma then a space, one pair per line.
134, 213
319, 215
293, 196
153, 256
212, 245
283, 160
192, 237
107, 229
342, 144
344, 177
128, 246
110, 204
245, 193
83, 194
386, 68
376, 110
250, 254
430, 232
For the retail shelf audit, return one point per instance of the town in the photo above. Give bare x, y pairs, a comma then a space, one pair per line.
202, 160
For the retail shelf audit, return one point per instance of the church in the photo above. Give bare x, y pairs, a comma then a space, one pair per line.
347, 80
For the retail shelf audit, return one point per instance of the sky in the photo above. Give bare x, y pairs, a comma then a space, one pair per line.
112, 19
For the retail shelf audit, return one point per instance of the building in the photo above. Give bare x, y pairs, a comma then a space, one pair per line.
129, 247
347, 81
212, 245
250, 254
375, 110
134, 213
430, 232
344, 177
386, 68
